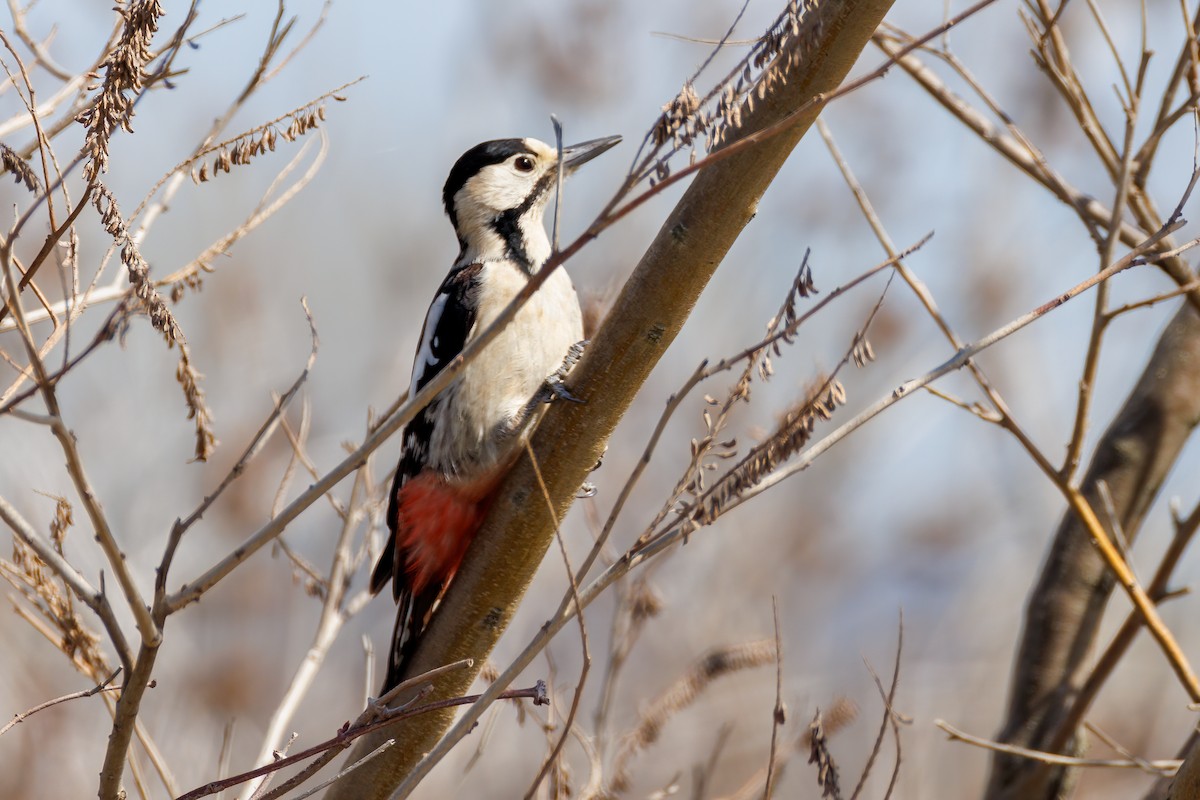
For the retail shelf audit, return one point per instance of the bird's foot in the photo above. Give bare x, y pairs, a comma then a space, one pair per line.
554, 388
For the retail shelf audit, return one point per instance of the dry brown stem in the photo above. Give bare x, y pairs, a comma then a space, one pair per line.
349, 733
103, 686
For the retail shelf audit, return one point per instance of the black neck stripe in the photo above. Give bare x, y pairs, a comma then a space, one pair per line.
507, 224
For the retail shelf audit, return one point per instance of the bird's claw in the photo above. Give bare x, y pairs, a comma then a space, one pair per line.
554, 388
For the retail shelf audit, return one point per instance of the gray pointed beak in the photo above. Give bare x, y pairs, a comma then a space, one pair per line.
579, 154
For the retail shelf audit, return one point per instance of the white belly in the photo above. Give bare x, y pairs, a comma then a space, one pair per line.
479, 418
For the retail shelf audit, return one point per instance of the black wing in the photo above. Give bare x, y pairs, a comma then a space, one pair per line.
448, 323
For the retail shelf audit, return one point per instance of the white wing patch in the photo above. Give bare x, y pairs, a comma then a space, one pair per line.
425, 358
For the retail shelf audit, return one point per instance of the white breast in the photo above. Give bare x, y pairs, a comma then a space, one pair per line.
479, 414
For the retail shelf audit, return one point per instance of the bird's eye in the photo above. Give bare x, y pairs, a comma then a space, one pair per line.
523, 164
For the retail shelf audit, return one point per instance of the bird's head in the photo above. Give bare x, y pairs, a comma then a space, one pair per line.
497, 192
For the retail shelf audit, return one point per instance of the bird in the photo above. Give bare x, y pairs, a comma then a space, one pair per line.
457, 450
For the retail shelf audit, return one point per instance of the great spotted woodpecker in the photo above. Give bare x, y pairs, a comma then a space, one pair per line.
458, 449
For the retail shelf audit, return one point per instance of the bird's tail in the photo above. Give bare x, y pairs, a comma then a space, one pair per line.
412, 615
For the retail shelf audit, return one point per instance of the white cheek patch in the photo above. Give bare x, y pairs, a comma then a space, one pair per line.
495, 188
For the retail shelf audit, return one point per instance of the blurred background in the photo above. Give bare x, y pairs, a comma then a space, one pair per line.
927, 510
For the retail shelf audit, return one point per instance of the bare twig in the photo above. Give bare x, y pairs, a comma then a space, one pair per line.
103, 686
1021, 153
252, 449
1100, 315
586, 666
1169, 765
44, 59
346, 770
889, 719
348, 734
1158, 590
374, 710
779, 717
329, 625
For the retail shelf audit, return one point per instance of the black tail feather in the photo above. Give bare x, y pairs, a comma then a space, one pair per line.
412, 615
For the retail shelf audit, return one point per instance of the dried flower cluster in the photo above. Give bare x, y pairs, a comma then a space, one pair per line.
827, 772
774, 56
244, 148
780, 329
645, 602
782, 38
19, 168
681, 694
123, 72
193, 395
139, 271
35, 581
160, 317
803, 287
720, 112
64, 518
193, 281
788, 439
679, 119
862, 352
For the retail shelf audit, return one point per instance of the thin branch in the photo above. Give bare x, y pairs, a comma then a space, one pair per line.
1158, 590
103, 686
329, 625
1169, 765
569, 724
374, 708
1143, 764
1025, 157
1135, 257
348, 734
346, 770
125, 720
44, 59
1100, 314
1156, 299
889, 719
779, 717
257, 442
